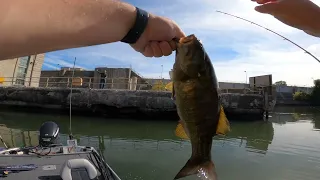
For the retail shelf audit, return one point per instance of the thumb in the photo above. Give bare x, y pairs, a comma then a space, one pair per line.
268, 8
178, 32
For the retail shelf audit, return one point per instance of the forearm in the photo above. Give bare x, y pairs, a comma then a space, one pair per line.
314, 24
37, 26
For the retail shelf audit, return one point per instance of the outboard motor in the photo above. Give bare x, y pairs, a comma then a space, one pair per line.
49, 132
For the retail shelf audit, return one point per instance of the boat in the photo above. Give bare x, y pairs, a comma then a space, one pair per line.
52, 161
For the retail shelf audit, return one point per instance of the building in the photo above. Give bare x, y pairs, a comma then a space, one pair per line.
23, 71
99, 78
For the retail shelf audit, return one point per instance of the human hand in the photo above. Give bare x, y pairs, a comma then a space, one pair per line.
156, 40
301, 14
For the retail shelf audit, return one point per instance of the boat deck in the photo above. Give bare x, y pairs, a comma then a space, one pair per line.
49, 167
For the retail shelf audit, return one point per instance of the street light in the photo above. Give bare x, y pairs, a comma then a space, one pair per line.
161, 70
246, 77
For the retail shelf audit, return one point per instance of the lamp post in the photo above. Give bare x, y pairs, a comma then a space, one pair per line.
246, 77
161, 71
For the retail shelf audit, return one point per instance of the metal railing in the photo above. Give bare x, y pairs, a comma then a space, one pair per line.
80, 82
109, 83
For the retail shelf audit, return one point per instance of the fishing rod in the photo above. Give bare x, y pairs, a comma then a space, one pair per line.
70, 103
272, 32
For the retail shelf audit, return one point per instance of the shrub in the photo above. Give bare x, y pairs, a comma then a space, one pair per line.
301, 96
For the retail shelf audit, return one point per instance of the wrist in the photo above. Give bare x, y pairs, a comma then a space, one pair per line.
138, 27
129, 22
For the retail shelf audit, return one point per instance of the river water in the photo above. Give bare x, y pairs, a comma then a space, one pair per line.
286, 147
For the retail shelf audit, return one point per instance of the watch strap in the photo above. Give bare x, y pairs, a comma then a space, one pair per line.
138, 28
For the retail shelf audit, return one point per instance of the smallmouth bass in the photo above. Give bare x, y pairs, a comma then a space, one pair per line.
195, 90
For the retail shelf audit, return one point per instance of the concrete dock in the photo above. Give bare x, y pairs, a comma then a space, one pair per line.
114, 103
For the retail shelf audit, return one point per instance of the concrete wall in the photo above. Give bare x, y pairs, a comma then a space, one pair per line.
227, 85
120, 102
116, 78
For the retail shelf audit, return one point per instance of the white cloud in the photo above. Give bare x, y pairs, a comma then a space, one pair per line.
259, 51
55, 62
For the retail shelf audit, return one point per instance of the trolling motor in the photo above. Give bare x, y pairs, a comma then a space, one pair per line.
49, 132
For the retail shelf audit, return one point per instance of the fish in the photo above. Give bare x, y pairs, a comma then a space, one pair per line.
195, 89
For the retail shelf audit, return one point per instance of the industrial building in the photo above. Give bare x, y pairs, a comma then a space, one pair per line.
99, 78
22, 71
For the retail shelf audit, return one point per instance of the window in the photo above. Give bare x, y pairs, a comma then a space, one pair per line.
24, 61
21, 72
19, 81
22, 69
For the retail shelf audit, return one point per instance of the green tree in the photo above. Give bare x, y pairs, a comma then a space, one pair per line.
280, 83
158, 86
301, 96
315, 94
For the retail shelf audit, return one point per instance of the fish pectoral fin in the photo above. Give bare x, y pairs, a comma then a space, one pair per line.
193, 166
223, 124
181, 131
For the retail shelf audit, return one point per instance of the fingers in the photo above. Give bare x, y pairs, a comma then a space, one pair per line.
157, 49
264, 1
148, 52
165, 48
268, 8
179, 33
173, 45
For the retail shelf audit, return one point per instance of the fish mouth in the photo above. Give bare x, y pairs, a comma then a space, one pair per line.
187, 39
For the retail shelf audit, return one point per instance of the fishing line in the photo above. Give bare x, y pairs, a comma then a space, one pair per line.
272, 32
70, 103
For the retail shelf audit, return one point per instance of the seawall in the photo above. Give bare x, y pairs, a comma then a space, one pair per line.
115, 103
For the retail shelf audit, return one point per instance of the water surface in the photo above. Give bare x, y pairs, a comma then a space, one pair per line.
287, 146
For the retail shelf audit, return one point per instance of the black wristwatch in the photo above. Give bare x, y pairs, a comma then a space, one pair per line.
138, 27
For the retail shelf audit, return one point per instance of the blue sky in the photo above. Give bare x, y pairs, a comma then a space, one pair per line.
233, 45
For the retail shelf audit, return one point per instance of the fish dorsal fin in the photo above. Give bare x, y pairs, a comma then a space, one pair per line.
223, 124
180, 131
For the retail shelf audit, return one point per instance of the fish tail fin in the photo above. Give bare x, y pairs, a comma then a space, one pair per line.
205, 169
223, 123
